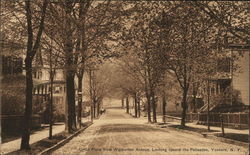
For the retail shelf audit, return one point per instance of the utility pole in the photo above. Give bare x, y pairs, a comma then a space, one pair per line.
231, 84
51, 71
208, 104
94, 93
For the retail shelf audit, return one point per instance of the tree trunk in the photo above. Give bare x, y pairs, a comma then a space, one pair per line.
139, 107
127, 105
148, 108
51, 104
208, 105
184, 107
98, 109
94, 106
154, 108
66, 114
51, 73
70, 71
194, 103
164, 103
147, 94
79, 116
135, 98
91, 95
194, 98
70, 93
28, 105
31, 51
122, 102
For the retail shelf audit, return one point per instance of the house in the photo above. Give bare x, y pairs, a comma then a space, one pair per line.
229, 88
12, 89
42, 89
13, 66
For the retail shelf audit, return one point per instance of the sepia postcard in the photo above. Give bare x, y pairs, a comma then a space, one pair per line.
124, 77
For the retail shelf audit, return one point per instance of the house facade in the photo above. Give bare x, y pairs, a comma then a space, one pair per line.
228, 89
13, 65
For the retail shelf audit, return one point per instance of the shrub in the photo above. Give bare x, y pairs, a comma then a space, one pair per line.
13, 96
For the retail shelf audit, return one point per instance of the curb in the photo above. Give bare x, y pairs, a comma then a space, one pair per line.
225, 140
63, 142
187, 131
229, 141
176, 129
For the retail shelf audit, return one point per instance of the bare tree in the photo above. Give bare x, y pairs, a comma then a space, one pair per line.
190, 46
232, 16
32, 47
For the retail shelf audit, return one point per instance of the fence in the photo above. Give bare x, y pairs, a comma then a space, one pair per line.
171, 118
235, 120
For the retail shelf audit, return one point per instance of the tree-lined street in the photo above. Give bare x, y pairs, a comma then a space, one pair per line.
129, 69
117, 132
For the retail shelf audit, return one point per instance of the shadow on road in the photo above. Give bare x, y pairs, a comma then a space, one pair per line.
113, 107
128, 128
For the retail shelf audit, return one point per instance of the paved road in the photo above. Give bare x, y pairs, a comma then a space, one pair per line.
117, 133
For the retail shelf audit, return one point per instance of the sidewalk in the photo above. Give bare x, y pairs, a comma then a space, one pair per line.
36, 136
194, 125
217, 129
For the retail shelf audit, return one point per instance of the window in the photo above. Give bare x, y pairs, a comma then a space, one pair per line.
34, 74
40, 74
57, 90
223, 65
11, 65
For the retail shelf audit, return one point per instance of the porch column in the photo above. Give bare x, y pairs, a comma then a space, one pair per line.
42, 90
38, 93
